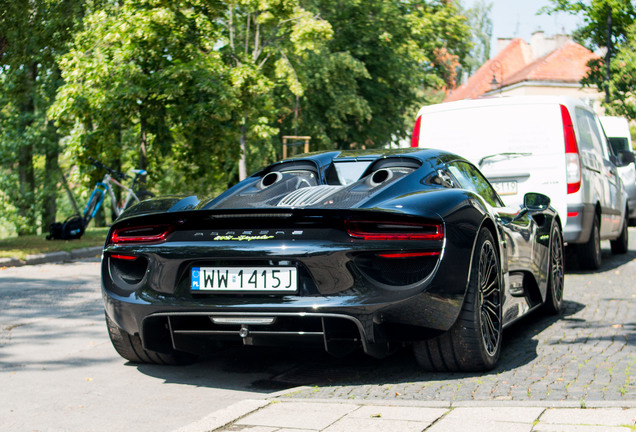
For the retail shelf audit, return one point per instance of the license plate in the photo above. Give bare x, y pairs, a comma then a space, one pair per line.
505, 187
253, 279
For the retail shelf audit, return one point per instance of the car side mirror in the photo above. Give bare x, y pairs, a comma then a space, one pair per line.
534, 201
625, 157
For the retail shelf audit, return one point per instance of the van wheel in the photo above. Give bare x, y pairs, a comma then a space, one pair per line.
473, 343
590, 252
621, 244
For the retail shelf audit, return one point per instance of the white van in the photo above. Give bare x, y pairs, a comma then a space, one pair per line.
547, 144
620, 139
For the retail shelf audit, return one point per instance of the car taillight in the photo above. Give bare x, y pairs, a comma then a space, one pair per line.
572, 158
140, 234
415, 138
372, 230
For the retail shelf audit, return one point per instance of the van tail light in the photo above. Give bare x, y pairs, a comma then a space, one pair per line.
572, 157
415, 138
140, 234
374, 230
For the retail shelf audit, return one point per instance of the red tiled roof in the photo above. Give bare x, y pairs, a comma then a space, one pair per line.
566, 64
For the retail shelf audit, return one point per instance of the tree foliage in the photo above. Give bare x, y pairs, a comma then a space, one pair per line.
363, 88
599, 16
32, 36
199, 92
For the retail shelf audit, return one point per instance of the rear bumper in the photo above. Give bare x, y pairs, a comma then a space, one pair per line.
338, 324
579, 223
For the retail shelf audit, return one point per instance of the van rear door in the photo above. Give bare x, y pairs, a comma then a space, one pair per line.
518, 146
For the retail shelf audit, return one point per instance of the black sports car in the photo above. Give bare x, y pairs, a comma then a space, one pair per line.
372, 249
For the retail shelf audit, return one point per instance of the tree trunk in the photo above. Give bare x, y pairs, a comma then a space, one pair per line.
51, 168
26, 173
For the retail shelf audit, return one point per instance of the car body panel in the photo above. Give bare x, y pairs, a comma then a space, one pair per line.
355, 286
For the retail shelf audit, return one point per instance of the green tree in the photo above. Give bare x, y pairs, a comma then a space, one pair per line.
607, 25
622, 85
32, 35
363, 88
144, 86
480, 22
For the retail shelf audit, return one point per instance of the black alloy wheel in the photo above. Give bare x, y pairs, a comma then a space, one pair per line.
489, 298
473, 343
554, 295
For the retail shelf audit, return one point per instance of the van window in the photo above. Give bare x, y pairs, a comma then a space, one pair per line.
589, 133
619, 144
471, 179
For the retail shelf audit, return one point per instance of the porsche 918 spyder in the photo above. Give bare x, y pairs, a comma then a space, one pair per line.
372, 249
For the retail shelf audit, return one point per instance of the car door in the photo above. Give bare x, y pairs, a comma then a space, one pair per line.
601, 175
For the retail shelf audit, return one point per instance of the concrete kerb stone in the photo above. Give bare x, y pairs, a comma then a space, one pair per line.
44, 258
250, 413
225, 416
87, 252
51, 257
10, 262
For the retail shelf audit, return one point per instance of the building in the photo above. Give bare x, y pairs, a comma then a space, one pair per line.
545, 66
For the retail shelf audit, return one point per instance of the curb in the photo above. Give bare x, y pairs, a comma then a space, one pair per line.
51, 257
224, 418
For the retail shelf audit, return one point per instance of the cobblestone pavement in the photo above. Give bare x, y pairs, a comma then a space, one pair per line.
585, 355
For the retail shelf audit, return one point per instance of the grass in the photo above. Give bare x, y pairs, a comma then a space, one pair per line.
20, 247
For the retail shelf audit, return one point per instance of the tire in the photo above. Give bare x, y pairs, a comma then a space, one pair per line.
590, 253
554, 296
621, 244
129, 347
473, 343
142, 195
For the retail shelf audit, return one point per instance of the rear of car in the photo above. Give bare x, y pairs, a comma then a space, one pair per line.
551, 145
292, 255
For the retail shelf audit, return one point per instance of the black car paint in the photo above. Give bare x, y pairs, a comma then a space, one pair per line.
382, 314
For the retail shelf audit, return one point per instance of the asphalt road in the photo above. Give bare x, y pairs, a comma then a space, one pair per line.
58, 370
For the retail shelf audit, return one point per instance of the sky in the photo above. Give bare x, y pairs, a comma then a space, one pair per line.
518, 18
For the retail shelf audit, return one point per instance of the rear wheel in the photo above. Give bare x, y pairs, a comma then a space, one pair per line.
473, 343
621, 244
129, 347
590, 252
554, 296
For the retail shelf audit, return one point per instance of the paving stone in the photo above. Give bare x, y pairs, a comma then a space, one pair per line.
298, 415
591, 416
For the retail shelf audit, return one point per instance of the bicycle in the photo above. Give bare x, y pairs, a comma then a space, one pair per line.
102, 187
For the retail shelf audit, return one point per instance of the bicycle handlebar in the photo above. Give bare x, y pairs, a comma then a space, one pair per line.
120, 175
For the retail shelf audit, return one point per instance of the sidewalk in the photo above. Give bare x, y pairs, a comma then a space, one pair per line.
51, 257
333, 415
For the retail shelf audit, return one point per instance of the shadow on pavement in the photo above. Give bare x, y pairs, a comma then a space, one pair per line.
285, 368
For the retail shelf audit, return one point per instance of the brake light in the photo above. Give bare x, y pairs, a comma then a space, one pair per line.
408, 254
372, 230
124, 257
415, 138
141, 234
572, 157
